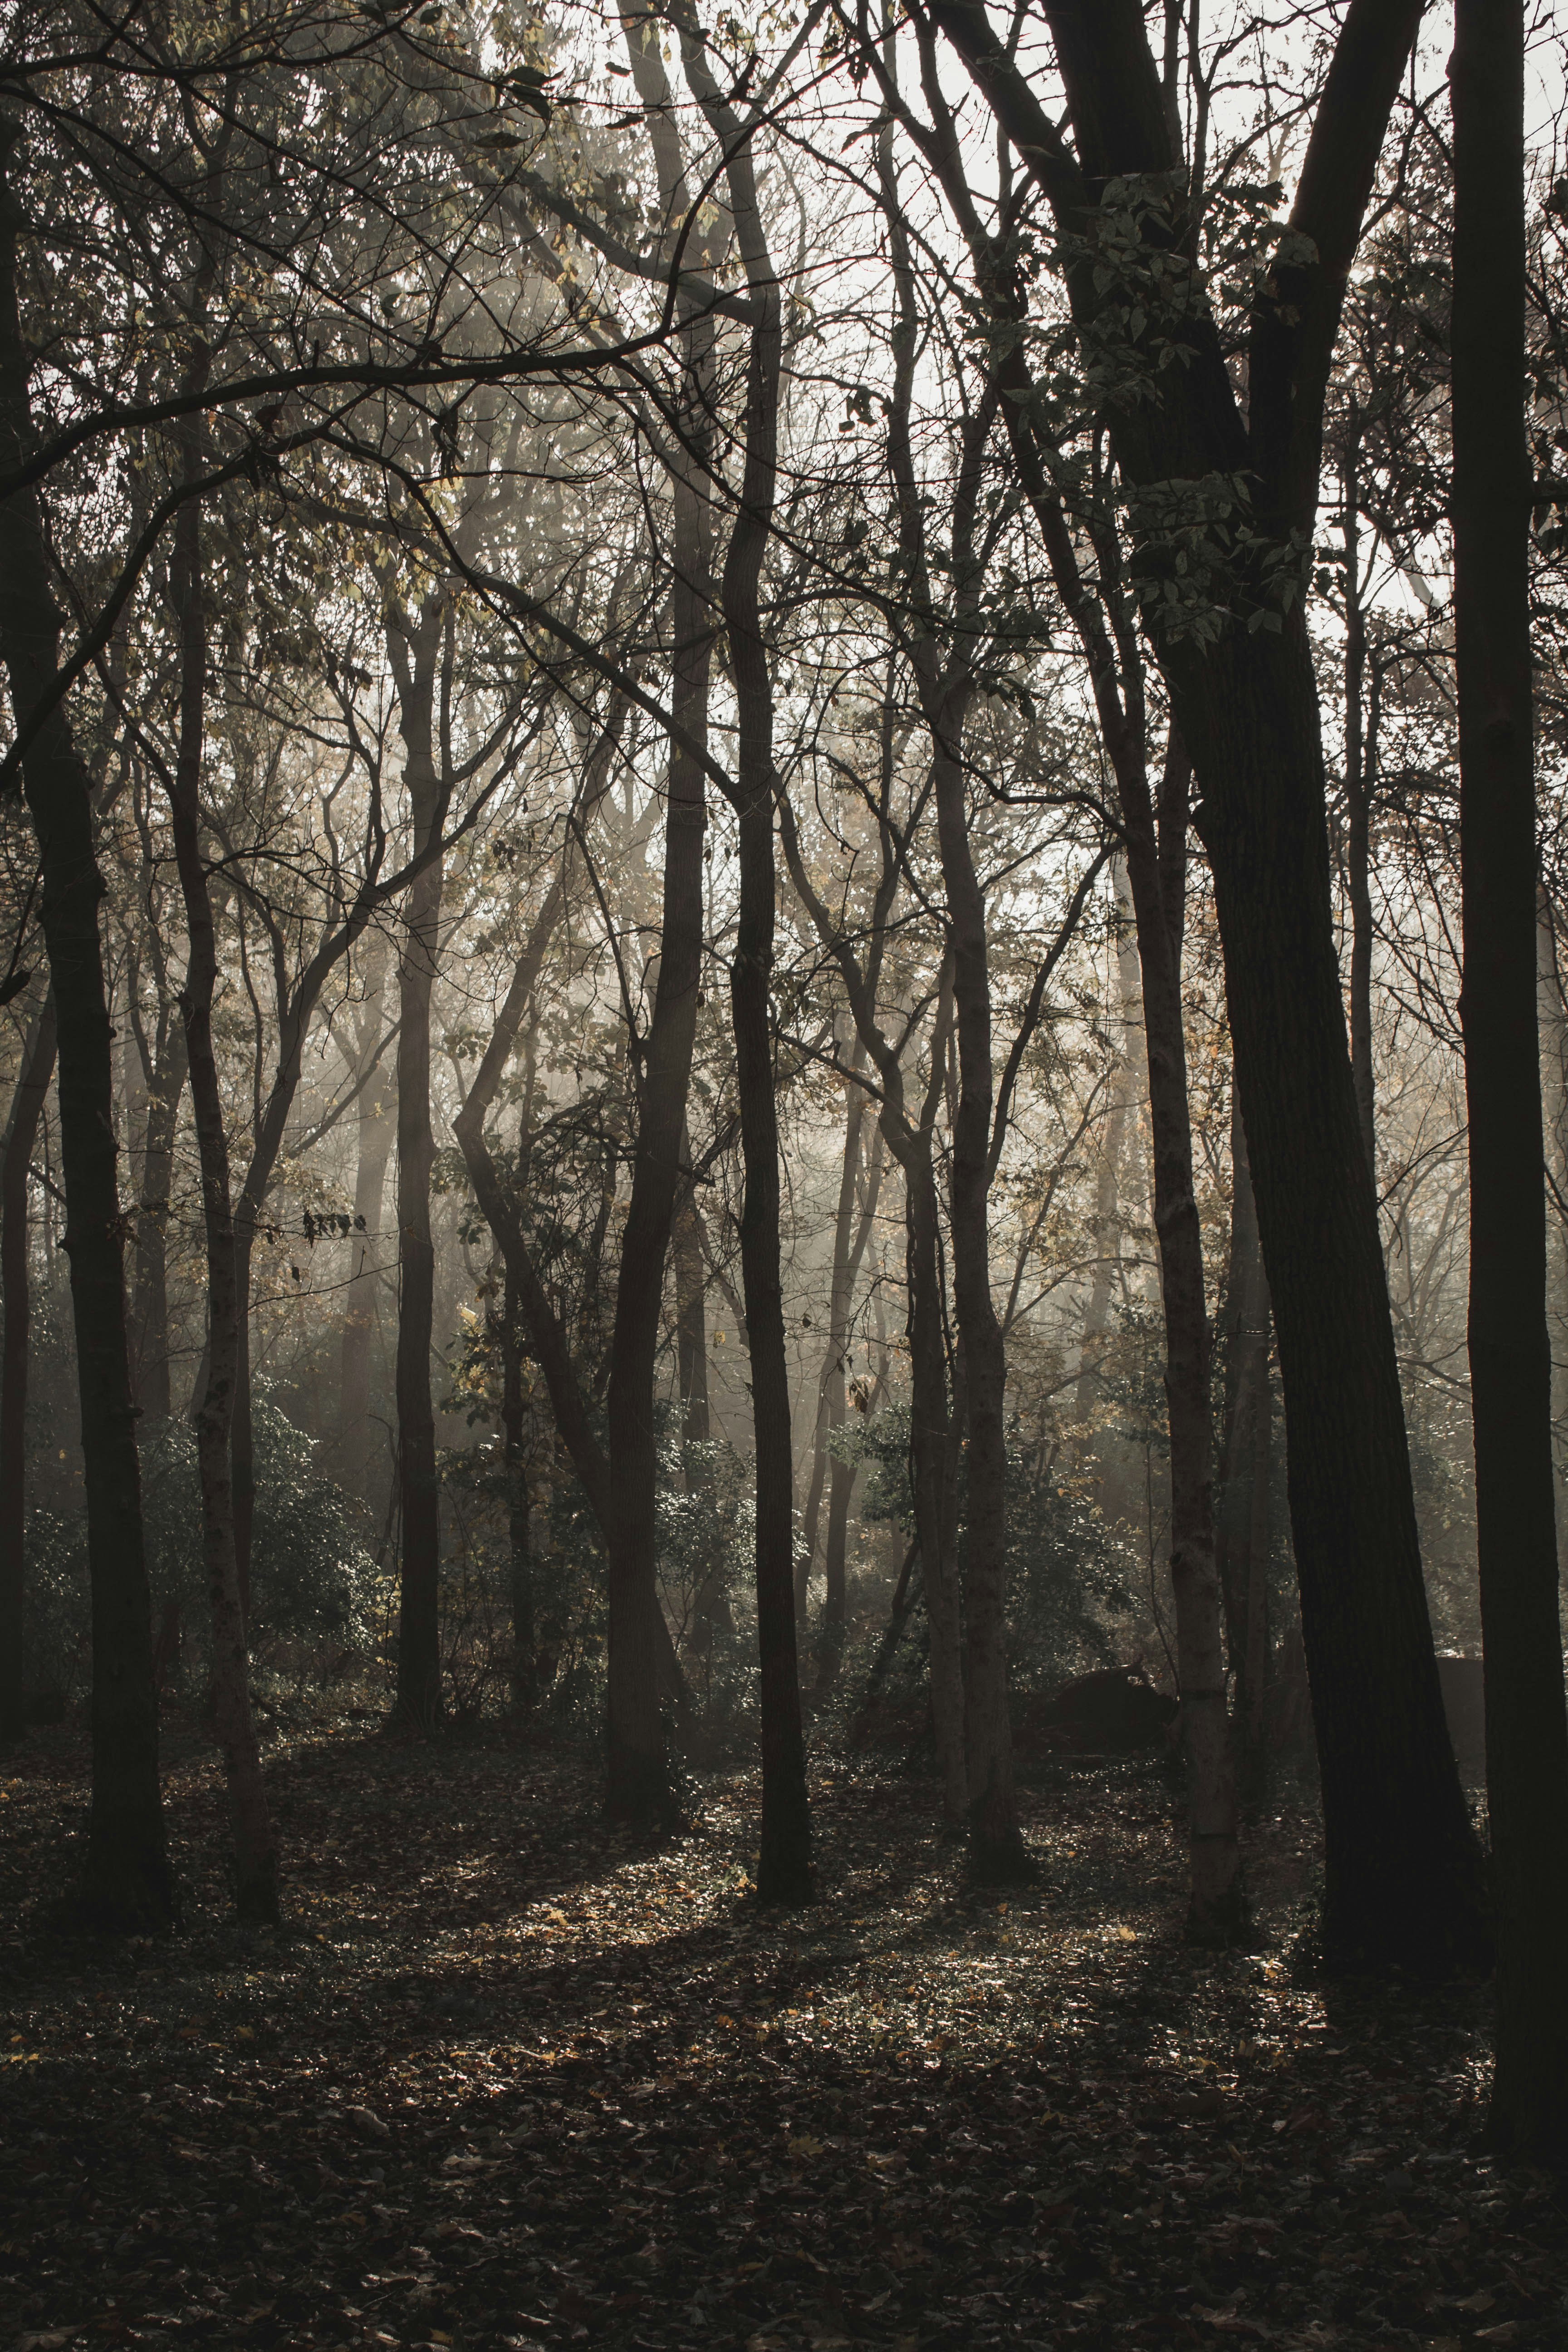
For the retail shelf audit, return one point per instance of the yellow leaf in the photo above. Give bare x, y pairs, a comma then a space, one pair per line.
1128, 1934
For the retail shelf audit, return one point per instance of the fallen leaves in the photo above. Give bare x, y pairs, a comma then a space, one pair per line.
539, 2085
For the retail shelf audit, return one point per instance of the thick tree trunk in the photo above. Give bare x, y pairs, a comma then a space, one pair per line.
150, 1282
1510, 1368
16, 1311
255, 1844
1241, 1527
127, 1881
1403, 1868
418, 1705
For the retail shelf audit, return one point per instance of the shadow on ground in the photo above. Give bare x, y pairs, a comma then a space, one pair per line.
510, 2080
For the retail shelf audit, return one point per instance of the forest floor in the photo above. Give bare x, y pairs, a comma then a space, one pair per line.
510, 2079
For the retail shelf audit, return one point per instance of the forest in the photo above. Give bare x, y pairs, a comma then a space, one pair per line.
784, 1174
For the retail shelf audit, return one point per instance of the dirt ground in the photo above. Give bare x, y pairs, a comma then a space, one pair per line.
511, 2079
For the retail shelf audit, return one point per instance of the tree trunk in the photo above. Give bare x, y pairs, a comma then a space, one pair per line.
1404, 1878
1358, 810
15, 1309
784, 1866
1510, 1368
418, 1705
255, 1844
1241, 1528
520, 1554
1215, 1910
830, 1384
150, 1286
932, 1429
1108, 1187
127, 1882
359, 1442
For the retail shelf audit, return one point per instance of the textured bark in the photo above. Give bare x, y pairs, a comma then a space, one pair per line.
16, 1312
415, 643
784, 1865
127, 1880
1404, 1879
1510, 1368
255, 1844
1241, 1527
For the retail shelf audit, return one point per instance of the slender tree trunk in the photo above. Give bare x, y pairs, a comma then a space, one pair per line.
1108, 1187
127, 1882
150, 1291
1553, 1021
1509, 1354
359, 1442
1241, 1528
931, 1427
15, 1309
830, 1384
519, 1553
418, 1705
784, 1868
1216, 1901
255, 1844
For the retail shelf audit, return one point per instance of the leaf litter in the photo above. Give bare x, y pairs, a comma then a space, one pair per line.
511, 2079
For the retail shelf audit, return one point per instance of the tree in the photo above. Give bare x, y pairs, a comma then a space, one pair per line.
1510, 1367
1404, 1881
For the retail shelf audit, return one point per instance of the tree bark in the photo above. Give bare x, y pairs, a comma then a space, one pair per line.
1404, 1879
127, 1882
520, 1551
358, 1441
150, 1286
419, 1706
1509, 1354
255, 1843
784, 1865
1108, 1187
1358, 830
1241, 1527
15, 1309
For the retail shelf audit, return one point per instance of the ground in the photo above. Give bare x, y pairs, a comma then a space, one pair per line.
510, 2079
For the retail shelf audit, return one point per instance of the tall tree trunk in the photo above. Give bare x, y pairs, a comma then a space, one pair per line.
1241, 1527
1510, 1368
931, 1460
1358, 809
359, 1447
841, 1475
150, 1284
1108, 1184
1214, 1911
784, 1866
127, 1880
519, 1553
1404, 1878
16, 1310
416, 644
830, 1383
255, 1844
